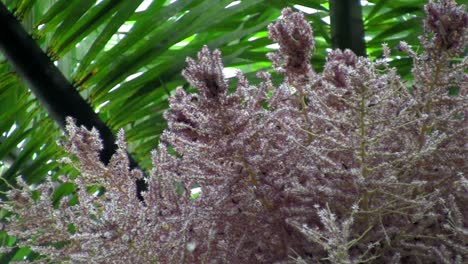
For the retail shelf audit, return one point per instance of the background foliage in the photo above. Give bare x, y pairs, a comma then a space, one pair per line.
125, 58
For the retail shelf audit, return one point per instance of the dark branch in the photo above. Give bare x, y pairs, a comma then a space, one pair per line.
49, 85
347, 27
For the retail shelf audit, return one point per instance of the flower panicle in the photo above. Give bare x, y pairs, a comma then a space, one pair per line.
347, 165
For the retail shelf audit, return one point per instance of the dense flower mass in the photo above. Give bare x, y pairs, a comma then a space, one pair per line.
350, 165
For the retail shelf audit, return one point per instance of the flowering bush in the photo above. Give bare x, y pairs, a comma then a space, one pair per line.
350, 165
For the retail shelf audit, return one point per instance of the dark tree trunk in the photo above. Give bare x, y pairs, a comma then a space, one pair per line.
48, 84
347, 27
46, 81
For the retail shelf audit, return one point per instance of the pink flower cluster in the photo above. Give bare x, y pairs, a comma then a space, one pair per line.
350, 165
